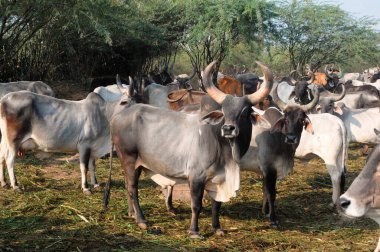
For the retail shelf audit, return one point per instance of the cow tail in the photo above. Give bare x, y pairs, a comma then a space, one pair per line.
107, 191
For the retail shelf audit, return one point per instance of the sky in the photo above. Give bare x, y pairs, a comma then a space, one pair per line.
360, 8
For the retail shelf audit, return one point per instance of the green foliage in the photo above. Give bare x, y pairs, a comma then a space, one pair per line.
68, 39
318, 34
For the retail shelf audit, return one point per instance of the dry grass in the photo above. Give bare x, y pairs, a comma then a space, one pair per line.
52, 214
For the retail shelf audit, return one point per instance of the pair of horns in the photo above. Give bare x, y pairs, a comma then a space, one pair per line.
127, 91
254, 98
307, 107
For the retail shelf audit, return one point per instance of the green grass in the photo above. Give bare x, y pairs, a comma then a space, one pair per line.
52, 214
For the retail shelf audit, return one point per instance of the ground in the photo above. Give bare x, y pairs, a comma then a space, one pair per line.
52, 214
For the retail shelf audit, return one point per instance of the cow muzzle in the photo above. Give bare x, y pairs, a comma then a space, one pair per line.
229, 131
291, 139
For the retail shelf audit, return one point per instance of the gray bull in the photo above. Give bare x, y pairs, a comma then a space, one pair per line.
202, 150
363, 196
31, 121
37, 87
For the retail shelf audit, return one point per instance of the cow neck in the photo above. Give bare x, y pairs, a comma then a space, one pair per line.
112, 108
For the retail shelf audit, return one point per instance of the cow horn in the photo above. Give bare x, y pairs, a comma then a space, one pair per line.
298, 70
292, 80
265, 87
120, 86
131, 86
210, 88
339, 97
277, 99
327, 72
312, 78
313, 103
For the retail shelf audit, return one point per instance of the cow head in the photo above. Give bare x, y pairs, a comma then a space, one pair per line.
182, 80
332, 77
129, 96
236, 112
363, 196
163, 76
327, 104
294, 118
301, 93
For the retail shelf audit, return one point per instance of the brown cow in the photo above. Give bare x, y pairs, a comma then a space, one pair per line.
230, 85
179, 99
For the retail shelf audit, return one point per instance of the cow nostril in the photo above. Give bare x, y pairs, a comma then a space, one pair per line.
344, 203
228, 127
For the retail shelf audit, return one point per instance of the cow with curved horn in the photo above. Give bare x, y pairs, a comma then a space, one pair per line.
326, 127
272, 146
205, 155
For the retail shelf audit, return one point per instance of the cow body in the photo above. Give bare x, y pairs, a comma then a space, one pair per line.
329, 142
110, 93
30, 121
37, 87
205, 155
230, 85
178, 99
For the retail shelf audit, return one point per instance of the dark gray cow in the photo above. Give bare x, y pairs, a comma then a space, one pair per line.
37, 87
363, 196
31, 121
272, 149
178, 147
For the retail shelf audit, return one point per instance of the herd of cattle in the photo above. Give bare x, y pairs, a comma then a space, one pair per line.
248, 123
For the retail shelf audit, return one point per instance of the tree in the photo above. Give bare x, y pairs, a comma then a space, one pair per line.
319, 34
213, 27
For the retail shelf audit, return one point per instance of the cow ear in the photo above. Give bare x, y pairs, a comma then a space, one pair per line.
277, 127
259, 119
213, 118
308, 125
338, 110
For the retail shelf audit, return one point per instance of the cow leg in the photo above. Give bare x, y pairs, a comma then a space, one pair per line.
132, 178
92, 167
265, 208
338, 180
215, 217
196, 190
2, 172
10, 161
270, 180
84, 158
169, 199
131, 210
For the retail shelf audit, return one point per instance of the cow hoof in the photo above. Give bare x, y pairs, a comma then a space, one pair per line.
86, 191
143, 225
172, 210
5, 186
195, 235
220, 232
17, 189
274, 224
96, 187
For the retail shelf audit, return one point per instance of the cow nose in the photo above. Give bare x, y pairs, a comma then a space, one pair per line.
344, 203
290, 138
229, 130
